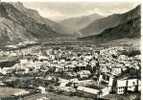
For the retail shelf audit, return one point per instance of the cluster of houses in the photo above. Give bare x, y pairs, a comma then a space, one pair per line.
112, 70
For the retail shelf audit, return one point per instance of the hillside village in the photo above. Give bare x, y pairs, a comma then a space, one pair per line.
89, 57
70, 70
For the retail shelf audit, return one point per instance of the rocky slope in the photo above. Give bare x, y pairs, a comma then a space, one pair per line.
128, 27
35, 15
18, 24
100, 25
73, 25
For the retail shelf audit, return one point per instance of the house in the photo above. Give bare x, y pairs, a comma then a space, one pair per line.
87, 90
8, 61
84, 74
121, 85
43, 58
42, 89
116, 70
108, 80
128, 85
109, 88
104, 77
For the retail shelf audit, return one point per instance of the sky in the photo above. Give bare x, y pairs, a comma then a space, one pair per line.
57, 10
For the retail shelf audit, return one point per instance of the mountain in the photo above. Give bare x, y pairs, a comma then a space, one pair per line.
18, 24
100, 25
129, 26
35, 15
75, 24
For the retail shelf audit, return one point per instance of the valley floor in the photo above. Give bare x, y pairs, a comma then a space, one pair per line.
71, 71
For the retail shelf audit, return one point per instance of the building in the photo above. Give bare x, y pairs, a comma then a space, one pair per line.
116, 70
128, 85
8, 93
89, 91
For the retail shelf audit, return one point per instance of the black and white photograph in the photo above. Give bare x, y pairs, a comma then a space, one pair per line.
70, 49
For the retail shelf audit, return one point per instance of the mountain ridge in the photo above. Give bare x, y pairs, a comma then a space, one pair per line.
35, 15
100, 25
17, 25
74, 24
129, 27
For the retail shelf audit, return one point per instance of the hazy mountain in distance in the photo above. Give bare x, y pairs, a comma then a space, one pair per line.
73, 25
129, 26
19, 24
100, 25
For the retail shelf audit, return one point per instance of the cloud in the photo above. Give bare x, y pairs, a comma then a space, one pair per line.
112, 8
51, 14
96, 10
108, 12
59, 11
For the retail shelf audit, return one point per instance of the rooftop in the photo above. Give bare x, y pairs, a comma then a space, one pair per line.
7, 91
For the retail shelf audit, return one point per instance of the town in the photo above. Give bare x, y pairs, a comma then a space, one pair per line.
88, 72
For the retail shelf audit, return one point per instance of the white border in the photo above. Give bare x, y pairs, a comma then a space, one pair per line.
73, 0
132, 1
